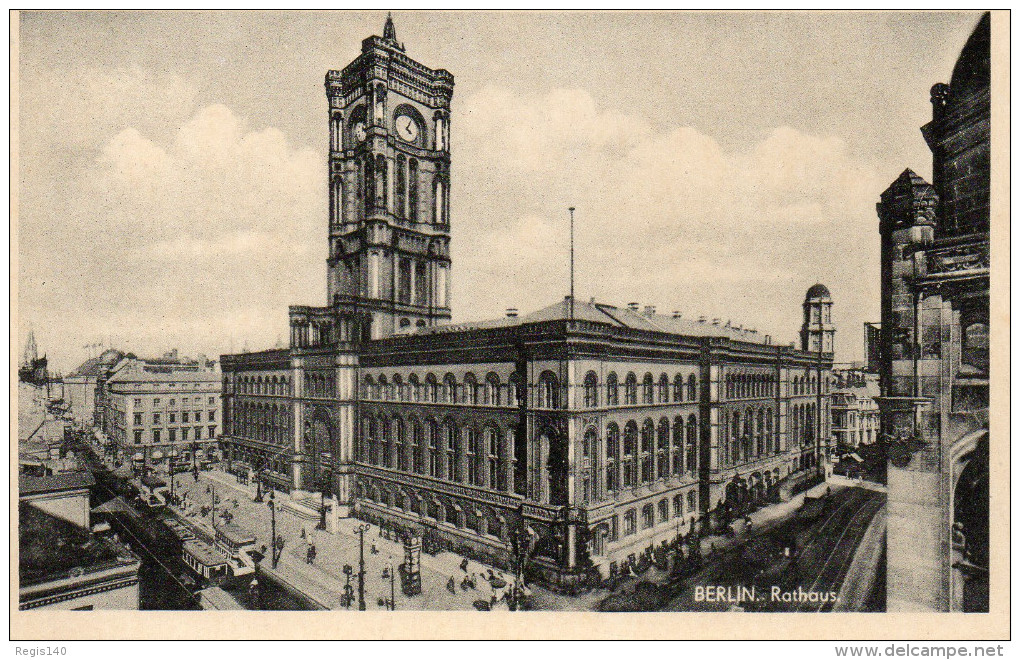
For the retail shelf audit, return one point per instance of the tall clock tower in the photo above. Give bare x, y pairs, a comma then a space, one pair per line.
389, 175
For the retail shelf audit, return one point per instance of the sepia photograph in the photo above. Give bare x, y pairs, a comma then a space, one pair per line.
556, 312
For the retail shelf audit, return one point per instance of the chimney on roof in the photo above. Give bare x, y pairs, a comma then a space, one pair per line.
768, 340
633, 306
649, 310
511, 312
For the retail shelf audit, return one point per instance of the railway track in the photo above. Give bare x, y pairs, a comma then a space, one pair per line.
850, 529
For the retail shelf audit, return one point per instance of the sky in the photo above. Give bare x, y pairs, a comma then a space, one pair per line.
172, 165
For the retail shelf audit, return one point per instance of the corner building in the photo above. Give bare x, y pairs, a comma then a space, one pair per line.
601, 431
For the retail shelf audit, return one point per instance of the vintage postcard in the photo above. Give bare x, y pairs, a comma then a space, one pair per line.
550, 325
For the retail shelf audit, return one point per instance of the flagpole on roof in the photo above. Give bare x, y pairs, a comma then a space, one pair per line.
571, 263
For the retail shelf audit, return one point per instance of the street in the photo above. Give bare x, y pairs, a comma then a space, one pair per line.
757, 574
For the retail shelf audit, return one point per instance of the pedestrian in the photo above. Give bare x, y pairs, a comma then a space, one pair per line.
451, 585
304, 535
464, 565
375, 550
311, 554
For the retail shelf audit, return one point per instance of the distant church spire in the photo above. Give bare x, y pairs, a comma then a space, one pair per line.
389, 31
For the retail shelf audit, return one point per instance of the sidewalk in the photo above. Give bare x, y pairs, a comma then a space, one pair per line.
324, 580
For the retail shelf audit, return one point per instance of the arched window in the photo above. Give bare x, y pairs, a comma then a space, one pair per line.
369, 388
548, 391
415, 386
612, 454
398, 388
399, 435
678, 446
401, 186
629, 454
692, 388
612, 390
591, 390
513, 392
449, 389
663, 393
452, 470
678, 505
647, 439
384, 432
770, 440
630, 390
647, 516
431, 389
336, 131
495, 475
417, 453
412, 190
662, 449
678, 388
384, 388
692, 445
492, 389
735, 439
474, 457
432, 438
648, 389
470, 390
759, 434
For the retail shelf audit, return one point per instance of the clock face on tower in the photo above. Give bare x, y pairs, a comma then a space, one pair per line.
407, 128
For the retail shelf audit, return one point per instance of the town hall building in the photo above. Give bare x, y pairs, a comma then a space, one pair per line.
601, 431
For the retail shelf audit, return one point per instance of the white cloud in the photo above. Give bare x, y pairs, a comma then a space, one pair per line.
665, 214
183, 235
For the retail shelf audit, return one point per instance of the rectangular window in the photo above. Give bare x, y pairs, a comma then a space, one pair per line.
184, 434
184, 416
138, 402
173, 418
173, 435
198, 433
155, 435
155, 418
138, 419
138, 437
155, 401
212, 415
198, 415
212, 431
212, 401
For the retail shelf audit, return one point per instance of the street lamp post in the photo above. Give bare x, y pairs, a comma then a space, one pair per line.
258, 480
393, 596
361, 529
272, 515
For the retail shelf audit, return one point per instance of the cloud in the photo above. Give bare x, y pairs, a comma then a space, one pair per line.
665, 215
182, 235
175, 224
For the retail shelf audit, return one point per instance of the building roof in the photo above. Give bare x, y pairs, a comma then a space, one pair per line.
819, 290
621, 317
53, 548
53, 483
174, 376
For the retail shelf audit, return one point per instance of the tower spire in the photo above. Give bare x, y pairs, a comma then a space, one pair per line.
389, 31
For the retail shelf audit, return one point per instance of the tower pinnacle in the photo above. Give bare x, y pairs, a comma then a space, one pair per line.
389, 31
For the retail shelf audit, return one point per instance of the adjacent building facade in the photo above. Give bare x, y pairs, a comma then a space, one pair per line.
855, 415
151, 409
600, 431
934, 353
